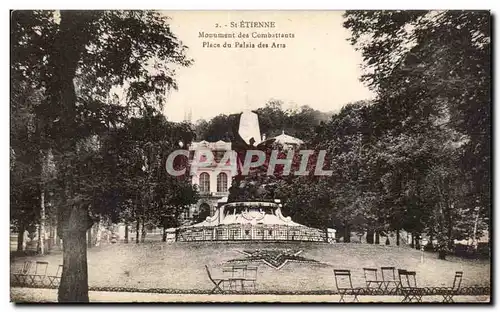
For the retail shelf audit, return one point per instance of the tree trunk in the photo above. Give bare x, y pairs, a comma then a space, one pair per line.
442, 254
95, 234
89, 238
41, 228
417, 241
57, 239
412, 240
143, 230
474, 233
377, 238
20, 238
347, 234
137, 228
164, 237
397, 237
74, 34
126, 233
50, 242
450, 229
176, 216
98, 234
369, 236
74, 279
430, 244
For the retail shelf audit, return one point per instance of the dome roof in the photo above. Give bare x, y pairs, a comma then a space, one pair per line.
285, 139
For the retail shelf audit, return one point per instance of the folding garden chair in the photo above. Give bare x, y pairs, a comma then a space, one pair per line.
408, 282
22, 275
40, 272
217, 282
343, 282
250, 280
389, 278
449, 292
54, 280
371, 278
235, 276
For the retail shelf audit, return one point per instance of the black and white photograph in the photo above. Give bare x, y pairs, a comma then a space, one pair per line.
300, 156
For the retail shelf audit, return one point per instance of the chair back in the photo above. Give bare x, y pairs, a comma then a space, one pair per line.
59, 270
41, 266
407, 277
227, 271
26, 267
239, 271
209, 275
343, 279
251, 273
370, 274
458, 279
389, 275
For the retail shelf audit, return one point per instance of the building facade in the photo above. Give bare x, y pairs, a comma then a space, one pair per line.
213, 181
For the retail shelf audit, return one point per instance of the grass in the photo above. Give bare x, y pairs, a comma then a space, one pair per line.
180, 266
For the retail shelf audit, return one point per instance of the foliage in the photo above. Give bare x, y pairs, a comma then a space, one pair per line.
93, 71
273, 120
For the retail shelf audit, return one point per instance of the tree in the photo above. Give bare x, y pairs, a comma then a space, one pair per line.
24, 176
138, 153
273, 120
218, 128
431, 73
126, 49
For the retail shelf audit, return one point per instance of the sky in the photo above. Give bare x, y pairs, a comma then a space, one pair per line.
318, 67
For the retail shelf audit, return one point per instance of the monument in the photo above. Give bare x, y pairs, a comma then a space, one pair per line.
249, 129
261, 221
256, 220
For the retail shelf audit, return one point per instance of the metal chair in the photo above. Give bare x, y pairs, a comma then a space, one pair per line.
409, 286
239, 271
389, 277
250, 280
235, 276
40, 272
22, 275
54, 280
371, 277
227, 272
458, 278
217, 282
449, 292
343, 282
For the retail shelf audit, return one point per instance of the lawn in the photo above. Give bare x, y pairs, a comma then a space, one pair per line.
180, 266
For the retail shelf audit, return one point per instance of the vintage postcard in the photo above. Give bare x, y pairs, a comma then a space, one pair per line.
250, 156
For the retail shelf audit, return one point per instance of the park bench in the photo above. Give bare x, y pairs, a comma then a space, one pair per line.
22, 275
54, 280
408, 286
343, 282
218, 282
371, 279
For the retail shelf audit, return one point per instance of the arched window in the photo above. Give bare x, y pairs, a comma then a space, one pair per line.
204, 182
222, 182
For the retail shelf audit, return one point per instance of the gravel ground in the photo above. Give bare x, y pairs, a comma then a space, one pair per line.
26, 295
